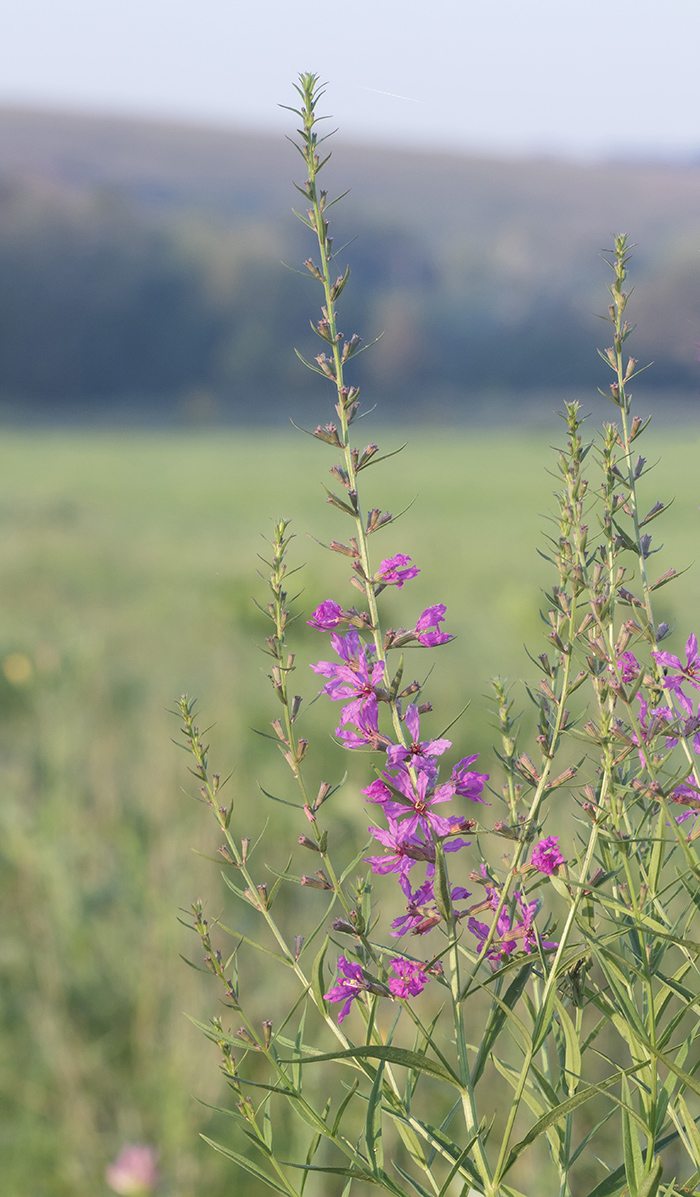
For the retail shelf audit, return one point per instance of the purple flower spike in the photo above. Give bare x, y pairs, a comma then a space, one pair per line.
350, 982
392, 571
466, 782
690, 672
327, 616
410, 978
546, 856
432, 617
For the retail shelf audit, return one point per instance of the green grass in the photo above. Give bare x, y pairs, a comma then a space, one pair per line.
128, 566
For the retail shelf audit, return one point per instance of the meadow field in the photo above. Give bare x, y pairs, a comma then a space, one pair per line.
128, 572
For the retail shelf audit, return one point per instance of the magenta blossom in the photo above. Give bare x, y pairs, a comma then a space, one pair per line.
410, 978
418, 797
405, 850
508, 936
366, 734
355, 678
392, 571
465, 782
432, 617
417, 751
134, 1172
546, 856
690, 672
422, 913
691, 726
629, 666
350, 982
653, 722
327, 616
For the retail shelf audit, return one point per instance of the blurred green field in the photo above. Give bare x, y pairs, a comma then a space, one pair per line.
128, 566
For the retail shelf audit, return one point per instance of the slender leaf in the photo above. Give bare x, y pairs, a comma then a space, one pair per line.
248, 1166
393, 1055
373, 1122
497, 1017
634, 1165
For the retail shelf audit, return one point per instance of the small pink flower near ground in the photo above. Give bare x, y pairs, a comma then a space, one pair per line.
134, 1173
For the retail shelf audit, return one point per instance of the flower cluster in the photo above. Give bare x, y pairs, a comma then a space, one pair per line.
410, 794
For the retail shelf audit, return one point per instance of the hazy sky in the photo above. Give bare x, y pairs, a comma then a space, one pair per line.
513, 76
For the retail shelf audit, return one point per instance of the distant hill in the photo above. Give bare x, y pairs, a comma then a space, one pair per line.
140, 263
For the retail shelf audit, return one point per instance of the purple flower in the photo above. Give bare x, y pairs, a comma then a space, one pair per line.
417, 751
134, 1172
354, 678
691, 726
350, 982
422, 913
392, 571
651, 723
327, 616
466, 782
419, 797
506, 943
546, 857
404, 851
366, 734
629, 666
689, 672
432, 617
410, 978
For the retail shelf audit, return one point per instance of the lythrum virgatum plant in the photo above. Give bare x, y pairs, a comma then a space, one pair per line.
562, 967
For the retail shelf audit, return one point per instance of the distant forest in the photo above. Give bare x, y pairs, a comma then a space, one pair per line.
143, 264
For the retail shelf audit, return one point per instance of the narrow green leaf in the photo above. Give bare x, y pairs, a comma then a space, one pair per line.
650, 1184
566, 1107
423, 1192
441, 885
248, 1166
497, 1018
343, 1106
393, 1055
544, 1021
373, 1122
572, 1061
317, 983
690, 1129
634, 1165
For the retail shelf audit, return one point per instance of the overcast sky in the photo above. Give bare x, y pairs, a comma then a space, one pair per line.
578, 77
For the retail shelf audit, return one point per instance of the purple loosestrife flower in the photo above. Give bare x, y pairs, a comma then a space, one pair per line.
690, 672
134, 1173
652, 722
367, 734
405, 850
350, 982
417, 751
422, 913
410, 978
432, 617
392, 571
546, 856
691, 727
420, 796
327, 616
629, 666
508, 935
355, 678
465, 782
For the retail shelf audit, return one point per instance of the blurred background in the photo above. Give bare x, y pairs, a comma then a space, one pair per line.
148, 317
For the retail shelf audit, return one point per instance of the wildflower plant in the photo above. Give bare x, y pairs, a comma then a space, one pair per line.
496, 1009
